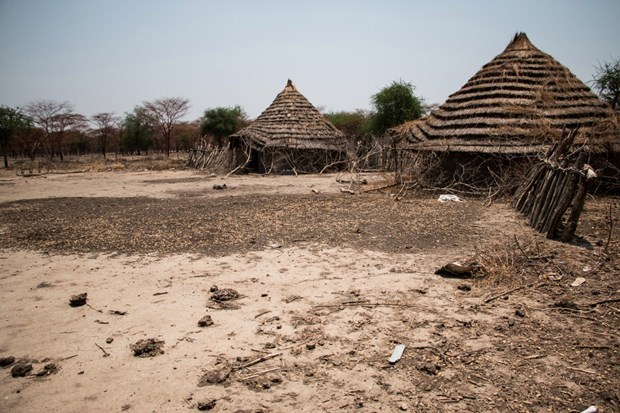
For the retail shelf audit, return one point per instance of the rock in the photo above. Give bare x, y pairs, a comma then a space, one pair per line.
403, 407
78, 300
464, 287
213, 289
219, 187
519, 312
310, 346
205, 321
225, 294
109, 340
218, 375
147, 348
206, 405
7, 361
21, 370
565, 304
511, 322
430, 368
48, 369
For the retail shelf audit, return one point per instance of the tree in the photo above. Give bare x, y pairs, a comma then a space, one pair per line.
165, 113
138, 131
105, 122
54, 118
222, 122
354, 124
394, 105
11, 121
606, 81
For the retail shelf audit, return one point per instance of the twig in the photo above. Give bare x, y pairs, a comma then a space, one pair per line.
105, 353
260, 373
263, 313
258, 360
582, 370
512, 290
521, 249
363, 304
443, 356
99, 311
609, 300
611, 226
495, 297
68, 358
535, 356
162, 293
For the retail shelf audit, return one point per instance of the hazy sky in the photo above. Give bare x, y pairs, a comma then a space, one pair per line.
110, 55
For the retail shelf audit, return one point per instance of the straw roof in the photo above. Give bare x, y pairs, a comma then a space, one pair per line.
517, 103
292, 122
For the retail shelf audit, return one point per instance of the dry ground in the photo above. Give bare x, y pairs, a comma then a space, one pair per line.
329, 283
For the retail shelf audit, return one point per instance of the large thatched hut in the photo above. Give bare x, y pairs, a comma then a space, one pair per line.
290, 134
515, 106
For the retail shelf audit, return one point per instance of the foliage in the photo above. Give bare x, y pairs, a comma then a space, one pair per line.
394, 105
356, 124
164, 114
11, 121
138, 131
222, 122
606, 81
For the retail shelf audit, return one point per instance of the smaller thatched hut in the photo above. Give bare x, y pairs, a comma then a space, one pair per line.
290, 134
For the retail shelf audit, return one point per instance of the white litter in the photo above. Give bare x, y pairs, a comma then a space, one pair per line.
449, 198
578, 281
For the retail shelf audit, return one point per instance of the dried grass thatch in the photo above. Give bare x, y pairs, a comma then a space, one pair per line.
292, 127
517, 103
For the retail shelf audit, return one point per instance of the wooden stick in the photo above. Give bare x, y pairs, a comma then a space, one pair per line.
258, 360
105, 353
260, 373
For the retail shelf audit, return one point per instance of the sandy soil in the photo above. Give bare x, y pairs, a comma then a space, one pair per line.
329, 283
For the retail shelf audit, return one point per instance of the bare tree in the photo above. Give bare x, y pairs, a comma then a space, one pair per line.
165, 113
105, 122
54, 118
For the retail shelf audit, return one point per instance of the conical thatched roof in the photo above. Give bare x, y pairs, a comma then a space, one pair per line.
292, 122
517, 103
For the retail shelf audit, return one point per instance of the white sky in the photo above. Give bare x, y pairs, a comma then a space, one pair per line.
111, 55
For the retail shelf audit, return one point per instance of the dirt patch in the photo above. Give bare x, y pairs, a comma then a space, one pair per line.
331, 284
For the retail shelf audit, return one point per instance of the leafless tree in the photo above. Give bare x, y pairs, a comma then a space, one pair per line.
105, 122
165, 113
54, 118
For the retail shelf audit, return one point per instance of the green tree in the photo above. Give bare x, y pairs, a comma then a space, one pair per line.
138, 131
222, 122
356, 124
12, 120
394, 105
606, 81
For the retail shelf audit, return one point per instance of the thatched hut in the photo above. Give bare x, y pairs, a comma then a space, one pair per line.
290, 134
516, 105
